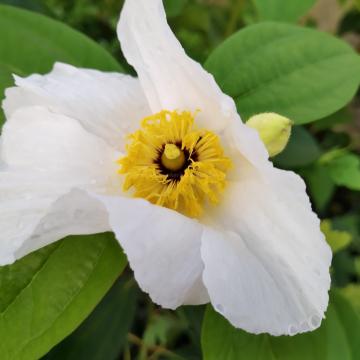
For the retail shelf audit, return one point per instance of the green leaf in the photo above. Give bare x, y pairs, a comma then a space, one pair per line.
336, 339
5, 81
302, 150
320, 185
349, 222
47, 294
342, 268
43, 41
357, 3
352, 294
338, 240
342, 116
104, 333
33, 5
357, 266
174, 7
280, 10
344, 169
297, 72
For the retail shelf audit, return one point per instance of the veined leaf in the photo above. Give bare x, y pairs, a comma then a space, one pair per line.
336, 339
297, 72
50, 292
104, 333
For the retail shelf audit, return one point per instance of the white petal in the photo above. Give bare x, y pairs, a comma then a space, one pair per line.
44, 157
36, 209
163, 249
40, 140
75, 213
170, 79
109, 105
24, 200
267, 270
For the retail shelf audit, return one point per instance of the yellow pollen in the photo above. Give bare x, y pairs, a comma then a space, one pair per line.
172, 163
173, 158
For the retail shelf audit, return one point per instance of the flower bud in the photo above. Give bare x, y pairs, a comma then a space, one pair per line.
274, 131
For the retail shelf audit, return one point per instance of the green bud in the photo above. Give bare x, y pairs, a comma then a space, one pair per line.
274, 131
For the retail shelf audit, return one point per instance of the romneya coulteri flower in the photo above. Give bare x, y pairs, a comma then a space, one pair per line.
165, 162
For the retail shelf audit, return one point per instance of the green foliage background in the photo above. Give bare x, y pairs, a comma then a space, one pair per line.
266, 63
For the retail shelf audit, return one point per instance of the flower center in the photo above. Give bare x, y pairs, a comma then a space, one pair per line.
171, 163
172, 158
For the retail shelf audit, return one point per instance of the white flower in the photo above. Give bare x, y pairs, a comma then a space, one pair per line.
258, 255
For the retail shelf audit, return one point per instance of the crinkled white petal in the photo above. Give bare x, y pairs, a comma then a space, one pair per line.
109, 105
170, 79
36, 138
266, 260
163, 249
36, 210
45, 157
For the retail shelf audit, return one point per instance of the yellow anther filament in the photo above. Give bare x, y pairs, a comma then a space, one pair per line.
173, 158
171, 163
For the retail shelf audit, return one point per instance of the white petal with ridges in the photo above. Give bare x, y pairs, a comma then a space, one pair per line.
269, 247
109, 105
45, 157
74, 213
170, 79
36, 138
163, 249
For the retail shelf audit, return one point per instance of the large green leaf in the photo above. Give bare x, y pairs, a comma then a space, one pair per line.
301, 73
47, 294
30, 43
280, 10
44, 41
336, 339
104, 333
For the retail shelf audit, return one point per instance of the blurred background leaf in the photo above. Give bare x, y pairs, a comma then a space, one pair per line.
338, 240
344, 169
279, 10
302, 150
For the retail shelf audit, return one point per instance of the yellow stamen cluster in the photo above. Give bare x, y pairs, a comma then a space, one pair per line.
171, 163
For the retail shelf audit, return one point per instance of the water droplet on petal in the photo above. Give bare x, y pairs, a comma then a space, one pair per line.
219, 308
315, 321
292, 330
